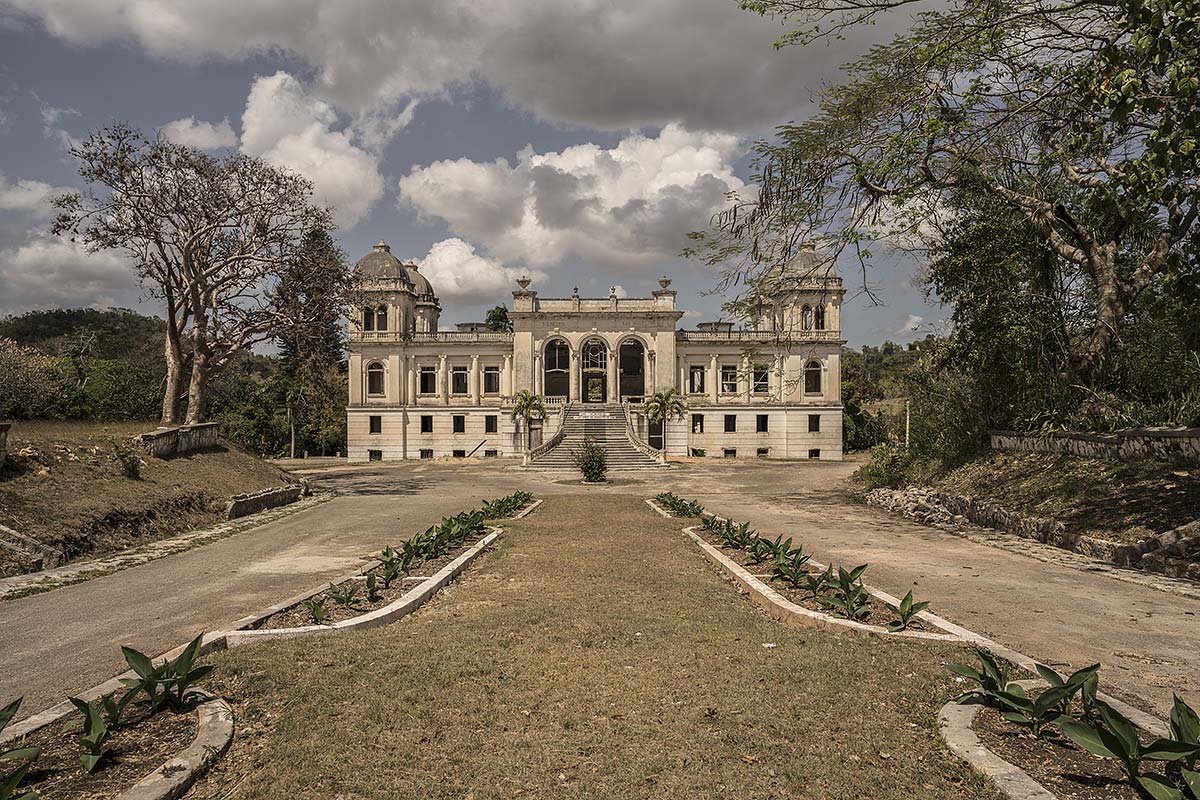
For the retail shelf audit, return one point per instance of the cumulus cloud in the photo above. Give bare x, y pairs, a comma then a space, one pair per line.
909, 326
612, 65
459, 274
47, 272
631, 205
204, 135
28, 197
284, 124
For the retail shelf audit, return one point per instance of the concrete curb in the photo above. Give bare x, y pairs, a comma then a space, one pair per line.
405, 605
527, 510
174, 778
954, 723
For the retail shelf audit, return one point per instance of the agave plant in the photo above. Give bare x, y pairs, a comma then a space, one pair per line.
759, 550
991, 679
21, 753
792, 567
316, 609
848, 597
343, 597
816, 585
906, 612
95, 736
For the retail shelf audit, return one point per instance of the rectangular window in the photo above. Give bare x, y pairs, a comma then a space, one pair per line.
428, 380
427, 423
763, 452
761, 422
697, 423
814, 423
426, 452
729, 379
731, 423
491, 453
762, 380
376, 424
458, 380
460, 423
491, 380
458, 453
375, 380
814, 453
696, 380
729, 452
374, 455
491, 423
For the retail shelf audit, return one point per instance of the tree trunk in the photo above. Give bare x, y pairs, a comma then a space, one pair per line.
170, 403
197, 389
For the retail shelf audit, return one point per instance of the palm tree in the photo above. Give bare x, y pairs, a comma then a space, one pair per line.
528, 406
663, 407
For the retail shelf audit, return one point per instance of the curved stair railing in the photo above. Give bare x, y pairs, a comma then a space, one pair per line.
639, 445
551, 443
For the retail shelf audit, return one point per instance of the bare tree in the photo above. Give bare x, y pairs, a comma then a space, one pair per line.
211, 237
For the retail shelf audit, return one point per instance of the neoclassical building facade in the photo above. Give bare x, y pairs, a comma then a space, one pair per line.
770, 390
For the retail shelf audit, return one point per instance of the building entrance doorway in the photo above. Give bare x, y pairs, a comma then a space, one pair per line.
594, 369
632, 357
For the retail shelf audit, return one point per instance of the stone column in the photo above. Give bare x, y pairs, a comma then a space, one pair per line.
535, 380
394, 379
573, 377
649, 373
410, 396
684, 386
614, 371
747, 377
443, 381
777, 379
714, 379
506, 378
473, 380
355, 379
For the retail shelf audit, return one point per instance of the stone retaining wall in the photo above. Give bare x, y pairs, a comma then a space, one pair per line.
166, 442
1173, 445
1175, 553
4, 426
242, 504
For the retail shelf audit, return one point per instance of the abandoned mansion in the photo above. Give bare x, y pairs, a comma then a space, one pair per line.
770, 390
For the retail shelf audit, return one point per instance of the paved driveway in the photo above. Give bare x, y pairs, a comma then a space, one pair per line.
68, 639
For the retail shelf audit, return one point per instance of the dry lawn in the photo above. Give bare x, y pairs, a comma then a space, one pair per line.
594, 654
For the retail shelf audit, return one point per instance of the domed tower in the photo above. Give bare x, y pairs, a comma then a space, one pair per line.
801, 296
397, 299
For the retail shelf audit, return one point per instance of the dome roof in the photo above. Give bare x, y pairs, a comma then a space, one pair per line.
419, 282
382, 265
807, 266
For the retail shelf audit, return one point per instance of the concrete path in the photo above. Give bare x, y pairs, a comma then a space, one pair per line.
68, 639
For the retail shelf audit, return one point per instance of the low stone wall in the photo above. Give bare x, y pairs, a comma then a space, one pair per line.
166, 442
242, 504
4, 426
1175, 553
1173, 445
31, 553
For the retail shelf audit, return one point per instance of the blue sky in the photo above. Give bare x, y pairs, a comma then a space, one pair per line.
577, 143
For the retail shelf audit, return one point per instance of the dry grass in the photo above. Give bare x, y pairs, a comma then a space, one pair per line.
1102, 498
594, 654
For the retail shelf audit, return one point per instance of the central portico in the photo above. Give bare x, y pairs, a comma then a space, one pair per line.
587, 350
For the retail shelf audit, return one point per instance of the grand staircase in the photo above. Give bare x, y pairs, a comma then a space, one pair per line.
606, 425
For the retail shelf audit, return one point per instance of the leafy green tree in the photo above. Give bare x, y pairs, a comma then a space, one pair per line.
497, 319
31, 383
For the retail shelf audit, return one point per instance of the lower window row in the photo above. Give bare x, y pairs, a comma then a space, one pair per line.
458, 423
762, 423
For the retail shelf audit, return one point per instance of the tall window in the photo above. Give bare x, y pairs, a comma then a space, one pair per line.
762, 379
806, 318
428, 380
381, 318
368, 319
375, 379
458, 380
819, 317
697, 423
491, 380
729, 379
556, 369
812, 377
696, 380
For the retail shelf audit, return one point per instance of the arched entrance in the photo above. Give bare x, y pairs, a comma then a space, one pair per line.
556, 369
632, 360
594, 369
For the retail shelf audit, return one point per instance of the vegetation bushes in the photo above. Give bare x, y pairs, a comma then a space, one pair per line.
591, 459
678, 506
506, 506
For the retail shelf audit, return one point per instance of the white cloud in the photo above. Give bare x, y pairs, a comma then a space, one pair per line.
629, 206
909, 326
619, 291
28, 197
204, 135
47, 272
51, 117
612, 65
284, 124
459, 274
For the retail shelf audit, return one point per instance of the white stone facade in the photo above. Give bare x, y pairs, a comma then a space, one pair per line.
769, 391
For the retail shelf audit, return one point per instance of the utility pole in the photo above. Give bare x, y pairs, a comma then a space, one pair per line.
907, 421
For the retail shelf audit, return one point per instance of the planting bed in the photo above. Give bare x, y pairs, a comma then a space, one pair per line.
1053, 760
140, 746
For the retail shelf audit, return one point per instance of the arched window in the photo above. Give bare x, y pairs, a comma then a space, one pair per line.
806, 318
368, 319
375, 379
595, 355
812, 377
556, 380
381, 318
819, 317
